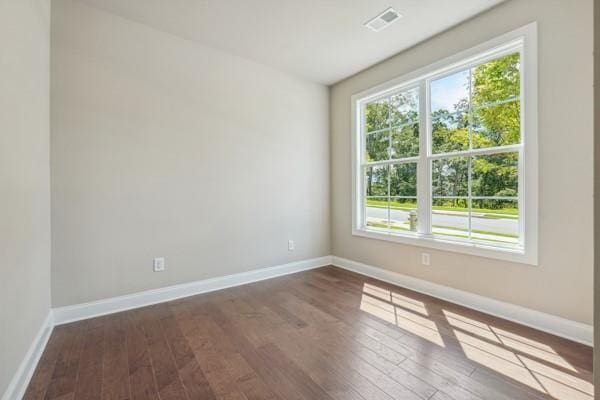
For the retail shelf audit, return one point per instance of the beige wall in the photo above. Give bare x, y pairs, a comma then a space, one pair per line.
24, 178
562, 283
163, 147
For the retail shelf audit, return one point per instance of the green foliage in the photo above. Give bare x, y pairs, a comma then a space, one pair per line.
496, 82
403, 180
404, 108
450, 132
378, 145
405, 141
377, 115
377, 181
392, 127
496, 124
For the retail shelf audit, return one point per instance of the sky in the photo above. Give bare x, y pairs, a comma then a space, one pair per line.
447, 91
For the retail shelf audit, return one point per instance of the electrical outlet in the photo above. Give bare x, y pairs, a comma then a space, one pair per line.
159, 264
291, 245
425, 259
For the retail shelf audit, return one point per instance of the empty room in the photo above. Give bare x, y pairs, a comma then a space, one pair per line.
299, 200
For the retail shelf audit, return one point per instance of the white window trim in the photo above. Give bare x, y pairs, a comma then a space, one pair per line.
526, 38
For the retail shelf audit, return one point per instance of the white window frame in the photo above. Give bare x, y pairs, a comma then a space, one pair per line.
523, 40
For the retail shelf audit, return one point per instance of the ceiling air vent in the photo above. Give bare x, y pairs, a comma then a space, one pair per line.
383, 20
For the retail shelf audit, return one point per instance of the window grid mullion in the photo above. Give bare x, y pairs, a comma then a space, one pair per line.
407, 160
470, 198
389, 166
424, 165
469, 177
364, 196
470, 116
484, 151
363, 168
389, 213
392, 127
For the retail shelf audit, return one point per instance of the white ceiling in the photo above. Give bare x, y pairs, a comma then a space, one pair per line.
321, 40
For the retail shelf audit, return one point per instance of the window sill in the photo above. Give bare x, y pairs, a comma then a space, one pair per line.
506, 253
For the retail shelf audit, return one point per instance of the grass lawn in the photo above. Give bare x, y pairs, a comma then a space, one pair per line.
460, 235
488, 213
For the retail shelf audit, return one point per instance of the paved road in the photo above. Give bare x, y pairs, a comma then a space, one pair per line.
501, 225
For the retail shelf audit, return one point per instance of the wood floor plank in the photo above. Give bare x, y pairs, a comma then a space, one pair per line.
478, 342
417, 335
42, 377
115, 383
452, 351
141, 376
577, 353
451, 374
333, 351
288, 383
214, 355
327, 375
396, 352
338, 380
64, 379
320, 334
271, 301
90, 374
168, 382
334, 369
194, 381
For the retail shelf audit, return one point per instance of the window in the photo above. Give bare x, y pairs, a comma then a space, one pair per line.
446, 157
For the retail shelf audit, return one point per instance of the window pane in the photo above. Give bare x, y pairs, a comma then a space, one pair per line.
450, 217
498, 125
495, 220
497, 80
450, 177
404, 107
450, 132
378, 145
377, 115
495, 175
376, 180
451, 93
403, 180
377, 209
405, 142
403, 214
449, 112
474, 197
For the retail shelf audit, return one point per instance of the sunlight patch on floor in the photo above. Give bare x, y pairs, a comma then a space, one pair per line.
508, 339
477, 341
518, 358
396, 298
539, 376
559, 381
404, 319
502, 366
510, 357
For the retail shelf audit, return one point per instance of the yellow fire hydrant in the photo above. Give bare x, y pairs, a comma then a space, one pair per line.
412, 220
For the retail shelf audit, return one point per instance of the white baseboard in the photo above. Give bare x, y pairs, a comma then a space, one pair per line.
17, 386
63, 315
558, 326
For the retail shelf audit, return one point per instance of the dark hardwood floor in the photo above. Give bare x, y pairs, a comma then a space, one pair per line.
322, 334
